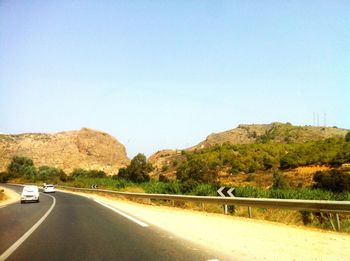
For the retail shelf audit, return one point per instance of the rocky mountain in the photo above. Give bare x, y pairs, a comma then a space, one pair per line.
86, 148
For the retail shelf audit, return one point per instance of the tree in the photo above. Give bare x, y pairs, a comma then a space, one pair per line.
22, 166
138, 170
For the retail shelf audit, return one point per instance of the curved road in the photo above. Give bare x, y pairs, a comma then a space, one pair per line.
79, 228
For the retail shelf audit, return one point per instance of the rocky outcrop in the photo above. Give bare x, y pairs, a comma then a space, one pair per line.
86, 148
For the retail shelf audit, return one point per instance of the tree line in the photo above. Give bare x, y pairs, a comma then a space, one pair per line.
23, 167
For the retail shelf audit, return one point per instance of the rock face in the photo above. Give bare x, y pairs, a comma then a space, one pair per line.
86, 148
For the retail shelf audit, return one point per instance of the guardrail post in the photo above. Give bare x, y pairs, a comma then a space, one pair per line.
250, 212
331, 221
202, 206
338, 221
225, 207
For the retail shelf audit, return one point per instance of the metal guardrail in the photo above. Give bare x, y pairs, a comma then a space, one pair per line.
324, 206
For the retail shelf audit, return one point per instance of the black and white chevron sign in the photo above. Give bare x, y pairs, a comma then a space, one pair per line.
225, 192
93, 186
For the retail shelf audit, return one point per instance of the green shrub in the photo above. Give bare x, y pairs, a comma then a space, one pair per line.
279, 181
333, 180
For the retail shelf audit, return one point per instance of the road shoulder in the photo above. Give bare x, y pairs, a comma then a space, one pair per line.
11, 197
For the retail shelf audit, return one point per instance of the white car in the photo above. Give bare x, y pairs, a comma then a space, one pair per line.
30, 193
48, 188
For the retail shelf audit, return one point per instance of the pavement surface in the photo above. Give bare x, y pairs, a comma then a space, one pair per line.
79, 228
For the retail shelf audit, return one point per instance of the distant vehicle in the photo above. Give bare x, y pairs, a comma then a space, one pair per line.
30, 193
49, 188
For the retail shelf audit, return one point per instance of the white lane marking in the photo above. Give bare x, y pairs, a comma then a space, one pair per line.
142, 224
12, 248
74, 193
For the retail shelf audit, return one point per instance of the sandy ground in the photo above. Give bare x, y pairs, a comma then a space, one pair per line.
241, 238
10, 197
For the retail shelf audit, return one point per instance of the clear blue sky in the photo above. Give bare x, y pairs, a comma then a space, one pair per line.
165, 74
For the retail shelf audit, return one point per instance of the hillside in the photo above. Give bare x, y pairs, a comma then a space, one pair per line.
274, 132
166, 162
86, 148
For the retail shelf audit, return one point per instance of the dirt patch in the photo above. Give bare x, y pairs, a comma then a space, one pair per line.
9, 196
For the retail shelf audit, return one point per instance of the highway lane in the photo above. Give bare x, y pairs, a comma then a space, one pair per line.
80, 229
17, 218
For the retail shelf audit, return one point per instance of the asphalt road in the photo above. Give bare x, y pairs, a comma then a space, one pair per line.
80, 229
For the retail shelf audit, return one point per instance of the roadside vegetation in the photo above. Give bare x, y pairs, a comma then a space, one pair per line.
204, 165
2, 194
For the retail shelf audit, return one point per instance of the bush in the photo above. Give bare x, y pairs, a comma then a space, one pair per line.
204, 190
4, 177
333, 180
162, 188
197, 170
123, 173
188, 186
163, 178
50, 174
347, 136
88, 173
279, 181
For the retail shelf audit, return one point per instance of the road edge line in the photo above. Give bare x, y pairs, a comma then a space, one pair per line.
139, 222
12, 248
